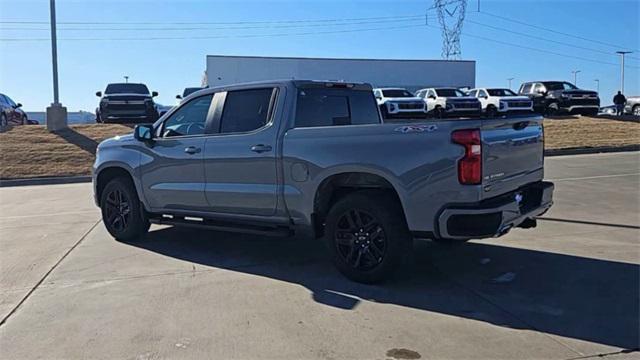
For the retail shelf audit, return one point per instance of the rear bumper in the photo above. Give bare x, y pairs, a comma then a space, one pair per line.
496, 216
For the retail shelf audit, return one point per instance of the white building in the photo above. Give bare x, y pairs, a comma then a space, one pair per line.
73, 117
410, 74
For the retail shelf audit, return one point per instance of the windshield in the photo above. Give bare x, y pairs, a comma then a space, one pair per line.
190, 90
501, 92
450, 93
559, 86
127, 89
397, 93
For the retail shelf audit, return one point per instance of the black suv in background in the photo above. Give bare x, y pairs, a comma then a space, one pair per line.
126, 102
554, 97
188, 91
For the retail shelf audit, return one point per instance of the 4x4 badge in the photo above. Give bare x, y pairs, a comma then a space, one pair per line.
416, 128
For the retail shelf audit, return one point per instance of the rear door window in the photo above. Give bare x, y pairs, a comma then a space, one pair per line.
322, 107
246, 110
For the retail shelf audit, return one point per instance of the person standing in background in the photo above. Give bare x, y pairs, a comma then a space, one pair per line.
619, 100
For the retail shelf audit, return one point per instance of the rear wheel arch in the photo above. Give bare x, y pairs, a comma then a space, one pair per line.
337, 186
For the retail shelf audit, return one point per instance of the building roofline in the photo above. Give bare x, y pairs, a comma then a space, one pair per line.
348, 59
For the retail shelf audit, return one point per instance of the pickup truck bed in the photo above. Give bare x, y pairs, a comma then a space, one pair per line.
320, 163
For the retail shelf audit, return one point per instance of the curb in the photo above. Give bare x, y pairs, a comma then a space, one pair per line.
591, 150
45, 181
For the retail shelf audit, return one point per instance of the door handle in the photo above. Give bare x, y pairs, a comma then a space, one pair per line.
192, 150
260, 148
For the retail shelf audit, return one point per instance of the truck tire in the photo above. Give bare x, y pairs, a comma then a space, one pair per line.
438, 112
552, 109
367, 236
491, 111
122, 213
636, 110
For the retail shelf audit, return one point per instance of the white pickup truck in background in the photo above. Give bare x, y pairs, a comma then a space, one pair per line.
449, 102
399, 102
498, 101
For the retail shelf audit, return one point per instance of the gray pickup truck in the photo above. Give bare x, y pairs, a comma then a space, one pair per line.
314, 159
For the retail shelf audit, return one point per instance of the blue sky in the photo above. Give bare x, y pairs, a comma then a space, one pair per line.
167, 66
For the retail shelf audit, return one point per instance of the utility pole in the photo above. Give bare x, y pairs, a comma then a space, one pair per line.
575, 76
622, 54
509, 80
597, 84
56, 113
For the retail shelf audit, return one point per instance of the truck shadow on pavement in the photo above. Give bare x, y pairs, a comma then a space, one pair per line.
576, 297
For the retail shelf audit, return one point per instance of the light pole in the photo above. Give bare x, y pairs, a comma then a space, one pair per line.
575, 76
509, 80
597, 84
56, 113
622, 54
126, 79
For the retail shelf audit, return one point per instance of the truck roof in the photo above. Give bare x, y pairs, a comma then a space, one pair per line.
295, 83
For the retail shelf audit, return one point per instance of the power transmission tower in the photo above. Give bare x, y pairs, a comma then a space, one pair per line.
451, 17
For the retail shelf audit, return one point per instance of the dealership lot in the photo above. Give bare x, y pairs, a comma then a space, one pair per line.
564, 290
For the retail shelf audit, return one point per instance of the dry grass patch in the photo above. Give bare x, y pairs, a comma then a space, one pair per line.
577, 132
32, 151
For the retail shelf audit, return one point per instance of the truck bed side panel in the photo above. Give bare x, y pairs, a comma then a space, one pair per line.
418, 159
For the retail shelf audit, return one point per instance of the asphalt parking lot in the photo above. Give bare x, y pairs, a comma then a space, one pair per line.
567, 289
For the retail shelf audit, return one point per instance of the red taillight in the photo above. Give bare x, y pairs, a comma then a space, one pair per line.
470, 166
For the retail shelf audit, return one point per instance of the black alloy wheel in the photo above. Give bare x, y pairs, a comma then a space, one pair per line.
360, 240
122, 212
367, 235
117, 210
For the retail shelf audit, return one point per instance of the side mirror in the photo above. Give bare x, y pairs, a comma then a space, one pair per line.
379, 97
179, 97
18, 105
432, 97
154, 93
98, 93
143, 132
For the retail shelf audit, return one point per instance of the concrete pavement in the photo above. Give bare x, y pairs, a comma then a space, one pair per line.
567, 289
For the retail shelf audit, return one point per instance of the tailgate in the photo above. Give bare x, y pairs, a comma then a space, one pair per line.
512, 153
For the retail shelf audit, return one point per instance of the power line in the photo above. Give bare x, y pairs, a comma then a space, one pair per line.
542, 38
533, 49
216, 28
555, 31
212, 22
218, 36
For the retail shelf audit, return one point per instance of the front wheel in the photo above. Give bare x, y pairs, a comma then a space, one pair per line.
552, 109
122, 212
636, 110
439, 112
491, 111
367, 236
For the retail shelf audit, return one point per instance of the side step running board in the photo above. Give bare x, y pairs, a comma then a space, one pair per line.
266, 230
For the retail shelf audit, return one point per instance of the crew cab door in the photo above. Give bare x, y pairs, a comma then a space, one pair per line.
240, 160
172, 170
